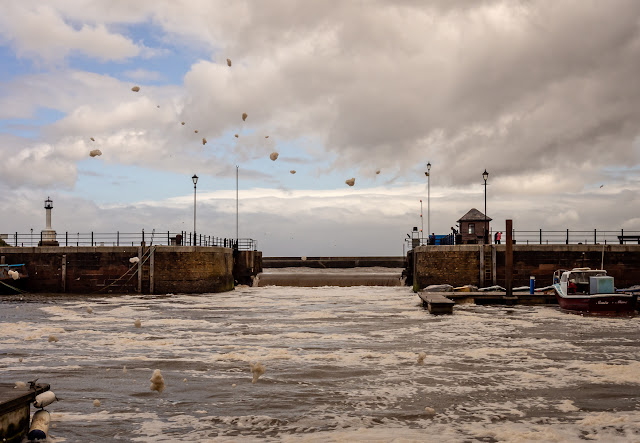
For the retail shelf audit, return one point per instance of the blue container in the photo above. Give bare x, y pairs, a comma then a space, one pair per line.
532, 285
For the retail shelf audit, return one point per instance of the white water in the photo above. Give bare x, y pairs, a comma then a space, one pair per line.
341, 365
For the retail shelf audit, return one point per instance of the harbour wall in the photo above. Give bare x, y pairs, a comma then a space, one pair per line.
104, 269
333, 262
484, 265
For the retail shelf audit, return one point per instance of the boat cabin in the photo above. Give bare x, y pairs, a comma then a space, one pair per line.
584, 281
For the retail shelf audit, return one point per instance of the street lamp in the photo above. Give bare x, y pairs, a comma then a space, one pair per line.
195, 182
428, 200
485, 176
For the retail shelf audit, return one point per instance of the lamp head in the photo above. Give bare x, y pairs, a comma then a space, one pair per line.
428, 169
485, 175
195, 179
48, 204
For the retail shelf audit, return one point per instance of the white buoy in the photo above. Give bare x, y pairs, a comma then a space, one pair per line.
39, 426
13, 274
44, 399
134, 260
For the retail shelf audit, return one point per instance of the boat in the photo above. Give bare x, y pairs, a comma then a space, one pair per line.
591, 291
12, 276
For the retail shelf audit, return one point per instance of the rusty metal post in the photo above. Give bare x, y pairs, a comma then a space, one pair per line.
508, 259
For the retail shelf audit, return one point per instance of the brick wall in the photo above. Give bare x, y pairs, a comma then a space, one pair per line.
454, 265
91, 269
460, 265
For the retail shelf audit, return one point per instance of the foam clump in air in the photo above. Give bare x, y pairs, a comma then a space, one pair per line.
89, 310
196, 131
137, 323
274, 156
182, 123
236, 136
95, 153
244, 116
157, 381
96, 403
351, 181
134, 260
92, 139
377, 171
229, 62
293, 171
20, 384
257, 370
53, 338
266, 136
135, 88
204, 141
429, 411
14, 274
421, 357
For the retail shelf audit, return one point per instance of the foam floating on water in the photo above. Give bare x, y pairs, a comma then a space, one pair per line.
293, 171
429, 411
134, 260
20, 359
204, 141
257, 370
274, 156
135, 88
96, 403
89, 309
351, 181
229, 62
157, 381
421, 357
53, 338
124, 369
95, 153
244, 116
137, 323
20, 384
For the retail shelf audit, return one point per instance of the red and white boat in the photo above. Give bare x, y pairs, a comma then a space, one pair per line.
591, 291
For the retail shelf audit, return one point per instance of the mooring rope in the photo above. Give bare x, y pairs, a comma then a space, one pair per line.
20, 291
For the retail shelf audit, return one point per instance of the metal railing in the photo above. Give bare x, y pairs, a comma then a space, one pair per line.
542, 237
118, 238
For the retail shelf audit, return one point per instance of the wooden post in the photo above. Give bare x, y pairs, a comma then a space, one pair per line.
140, 250
508, 259
151, 262
2, 260
494, 266
482, 271
64, 273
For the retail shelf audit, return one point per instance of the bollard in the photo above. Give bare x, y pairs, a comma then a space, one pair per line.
532, 285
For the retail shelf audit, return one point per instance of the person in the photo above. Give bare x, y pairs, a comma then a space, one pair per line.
498, 237
572, 287
432, 239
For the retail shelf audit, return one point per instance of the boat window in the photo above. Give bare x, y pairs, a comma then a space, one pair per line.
472, 228
563, 279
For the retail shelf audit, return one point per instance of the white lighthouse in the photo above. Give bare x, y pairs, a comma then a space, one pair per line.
48, 236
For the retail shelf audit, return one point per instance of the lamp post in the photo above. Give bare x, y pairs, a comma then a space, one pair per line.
428, 174
485, 176
421, 224
195, 182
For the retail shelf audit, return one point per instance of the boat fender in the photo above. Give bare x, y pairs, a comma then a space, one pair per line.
39, 426
44, 399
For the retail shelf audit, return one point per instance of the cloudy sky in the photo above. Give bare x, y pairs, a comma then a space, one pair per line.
543, 95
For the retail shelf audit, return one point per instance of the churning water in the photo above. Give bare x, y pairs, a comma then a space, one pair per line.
341, 364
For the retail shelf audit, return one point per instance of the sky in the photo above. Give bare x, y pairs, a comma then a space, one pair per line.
543, 95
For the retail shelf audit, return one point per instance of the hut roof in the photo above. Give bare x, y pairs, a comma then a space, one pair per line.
473, 215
